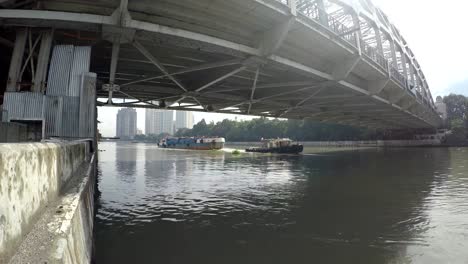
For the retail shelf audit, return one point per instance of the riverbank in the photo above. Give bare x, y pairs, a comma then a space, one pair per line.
358, 144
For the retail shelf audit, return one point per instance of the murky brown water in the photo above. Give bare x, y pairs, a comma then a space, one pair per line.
369, 206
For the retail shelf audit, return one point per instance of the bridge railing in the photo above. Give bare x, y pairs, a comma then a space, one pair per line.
286, 2
341, 30
311, 10
398, 77
374, 55
308, 9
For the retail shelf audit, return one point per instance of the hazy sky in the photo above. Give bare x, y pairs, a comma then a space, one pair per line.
435, 31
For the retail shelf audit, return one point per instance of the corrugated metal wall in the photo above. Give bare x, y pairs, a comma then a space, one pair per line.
23, 106
71, 116
62, 115
68, 109
88, 105
59, 71
80, 65
4, 116
53, 112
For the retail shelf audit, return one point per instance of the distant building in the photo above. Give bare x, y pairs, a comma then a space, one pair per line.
139, 132
159, 121
184, 119
441, 107
126, 123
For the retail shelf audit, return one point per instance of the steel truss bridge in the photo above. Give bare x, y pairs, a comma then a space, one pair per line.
327, 60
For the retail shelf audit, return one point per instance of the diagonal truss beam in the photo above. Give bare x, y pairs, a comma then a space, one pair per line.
263, 99
201, 67
113, 68
270, 86
159, 65
254, 86
302, 101
225, 76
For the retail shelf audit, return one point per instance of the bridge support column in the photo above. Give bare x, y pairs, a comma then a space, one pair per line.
43, 62
18, 64
17, 60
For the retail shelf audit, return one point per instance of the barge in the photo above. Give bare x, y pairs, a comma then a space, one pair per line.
283, 145
195, 143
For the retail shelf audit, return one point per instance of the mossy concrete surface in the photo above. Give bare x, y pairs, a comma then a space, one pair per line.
32, 176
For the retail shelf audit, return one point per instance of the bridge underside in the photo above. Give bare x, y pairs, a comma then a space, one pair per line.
240, 57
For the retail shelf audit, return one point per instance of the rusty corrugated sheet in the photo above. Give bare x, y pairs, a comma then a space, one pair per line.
80, 65
59, 71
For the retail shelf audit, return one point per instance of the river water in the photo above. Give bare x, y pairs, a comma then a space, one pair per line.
367, 206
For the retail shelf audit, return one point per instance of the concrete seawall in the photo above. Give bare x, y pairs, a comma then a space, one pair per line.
46, 202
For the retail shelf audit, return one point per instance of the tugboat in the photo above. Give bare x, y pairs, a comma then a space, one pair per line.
281, 145
196, 143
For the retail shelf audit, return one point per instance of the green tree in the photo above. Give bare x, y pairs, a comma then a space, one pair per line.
457, 107
457, 115
258, 128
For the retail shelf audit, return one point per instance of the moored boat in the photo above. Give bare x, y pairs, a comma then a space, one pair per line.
280, 145
196, 143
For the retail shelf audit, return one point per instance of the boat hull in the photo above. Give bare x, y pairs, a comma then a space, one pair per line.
196, 146
293, 149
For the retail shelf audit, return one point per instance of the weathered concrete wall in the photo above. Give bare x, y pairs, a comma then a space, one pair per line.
31, 177
73, 231
12, 132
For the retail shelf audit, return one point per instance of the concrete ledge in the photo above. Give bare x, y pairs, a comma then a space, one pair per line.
64, 232
31, 178
12, 132
73, 228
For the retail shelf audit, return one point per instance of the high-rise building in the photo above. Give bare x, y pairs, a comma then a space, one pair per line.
159, 121
184, 119
126, 123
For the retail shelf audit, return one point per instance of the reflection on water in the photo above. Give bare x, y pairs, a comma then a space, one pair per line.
370, 206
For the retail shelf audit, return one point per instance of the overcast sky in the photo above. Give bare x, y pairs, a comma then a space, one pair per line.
436, 31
